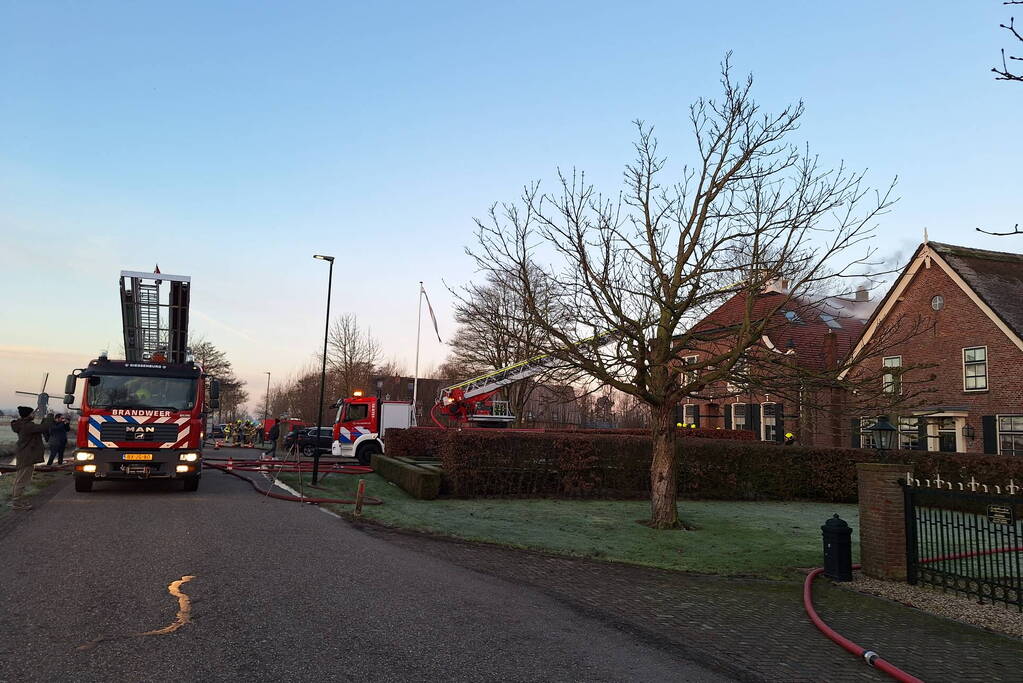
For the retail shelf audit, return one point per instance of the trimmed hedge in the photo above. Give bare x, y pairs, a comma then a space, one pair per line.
480, 463
418, 482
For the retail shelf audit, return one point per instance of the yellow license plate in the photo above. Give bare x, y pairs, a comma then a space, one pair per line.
138, 456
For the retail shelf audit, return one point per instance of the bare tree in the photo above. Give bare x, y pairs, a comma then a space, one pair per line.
623, 278
495, 331
352, 354
215, 364
1004, 73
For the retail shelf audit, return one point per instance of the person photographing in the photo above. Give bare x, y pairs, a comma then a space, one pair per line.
29, 451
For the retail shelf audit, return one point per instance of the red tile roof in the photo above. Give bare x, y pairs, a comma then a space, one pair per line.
797, 325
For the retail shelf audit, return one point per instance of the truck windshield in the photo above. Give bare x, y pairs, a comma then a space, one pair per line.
125, 391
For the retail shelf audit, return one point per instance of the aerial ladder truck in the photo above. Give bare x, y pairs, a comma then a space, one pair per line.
144, 417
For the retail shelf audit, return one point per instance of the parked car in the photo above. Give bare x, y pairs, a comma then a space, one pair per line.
307, 441
217, 432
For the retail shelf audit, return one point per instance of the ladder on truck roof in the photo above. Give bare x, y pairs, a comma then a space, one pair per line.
154, 326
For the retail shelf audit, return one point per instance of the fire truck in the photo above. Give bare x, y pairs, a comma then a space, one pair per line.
144, 417
362, 421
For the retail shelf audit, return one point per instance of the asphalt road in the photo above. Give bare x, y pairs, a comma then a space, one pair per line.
280, 591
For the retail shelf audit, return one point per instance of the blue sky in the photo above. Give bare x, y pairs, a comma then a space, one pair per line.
232, 140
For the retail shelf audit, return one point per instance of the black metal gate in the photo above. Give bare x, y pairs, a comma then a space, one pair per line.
966, 542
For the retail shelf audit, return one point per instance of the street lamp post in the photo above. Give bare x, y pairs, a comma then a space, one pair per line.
266, 406
323, 370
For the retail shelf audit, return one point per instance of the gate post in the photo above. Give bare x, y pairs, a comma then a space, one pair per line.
882, 519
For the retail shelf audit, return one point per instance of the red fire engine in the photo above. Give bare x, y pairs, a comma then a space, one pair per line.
143, 417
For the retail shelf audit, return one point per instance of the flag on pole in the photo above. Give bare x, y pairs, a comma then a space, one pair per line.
430, 308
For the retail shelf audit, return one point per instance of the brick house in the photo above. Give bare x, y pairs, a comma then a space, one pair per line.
972, 303
811, 336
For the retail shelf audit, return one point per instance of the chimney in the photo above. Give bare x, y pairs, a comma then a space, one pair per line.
831, 349
862, 294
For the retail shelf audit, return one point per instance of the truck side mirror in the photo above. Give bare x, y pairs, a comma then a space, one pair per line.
69, 399
69, 385
214, 389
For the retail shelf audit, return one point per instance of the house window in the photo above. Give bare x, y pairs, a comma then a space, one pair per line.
1010, 434
891, 383
975, 368
689, 376
909, 433
738, 416
866, 435
946, 434
768, 423
738, 379
691, 414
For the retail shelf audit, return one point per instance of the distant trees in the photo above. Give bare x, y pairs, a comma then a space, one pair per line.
352, 355
1005, 73
495, 331
215, 364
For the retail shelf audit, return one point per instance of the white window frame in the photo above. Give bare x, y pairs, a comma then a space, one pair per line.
998, 429
685, 416
987, 367
866, 435
744, 421
689, 375
763, 421
893, 385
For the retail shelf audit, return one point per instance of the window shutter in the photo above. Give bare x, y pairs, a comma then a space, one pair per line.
753, 418
779, 422
921, 434
856, 432
680, 413
990, 428
728, 416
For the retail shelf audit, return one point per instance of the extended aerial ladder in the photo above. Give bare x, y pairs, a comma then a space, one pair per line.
464, 401
155, 328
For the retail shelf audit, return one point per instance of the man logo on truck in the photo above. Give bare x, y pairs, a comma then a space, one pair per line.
139, 432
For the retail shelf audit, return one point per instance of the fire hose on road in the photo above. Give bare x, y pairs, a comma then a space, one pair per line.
278, 467
869, 656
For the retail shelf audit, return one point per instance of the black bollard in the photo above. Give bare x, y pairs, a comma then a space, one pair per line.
837, 549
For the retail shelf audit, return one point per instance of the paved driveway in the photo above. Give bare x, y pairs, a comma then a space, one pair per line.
280, 591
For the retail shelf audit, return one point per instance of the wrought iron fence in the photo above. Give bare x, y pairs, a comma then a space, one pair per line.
965, 540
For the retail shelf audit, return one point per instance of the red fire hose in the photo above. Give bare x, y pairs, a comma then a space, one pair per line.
368, 500
869, 656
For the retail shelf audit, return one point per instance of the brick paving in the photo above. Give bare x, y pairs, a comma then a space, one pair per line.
749, 629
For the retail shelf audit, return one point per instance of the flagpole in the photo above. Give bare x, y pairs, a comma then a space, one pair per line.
415, 380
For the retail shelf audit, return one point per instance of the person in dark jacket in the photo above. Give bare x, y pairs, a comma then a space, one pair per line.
58, 439
29, 452
275, 434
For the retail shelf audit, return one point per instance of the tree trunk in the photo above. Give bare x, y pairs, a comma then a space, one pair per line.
663, 471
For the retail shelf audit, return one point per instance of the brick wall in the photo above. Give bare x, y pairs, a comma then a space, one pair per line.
882, 520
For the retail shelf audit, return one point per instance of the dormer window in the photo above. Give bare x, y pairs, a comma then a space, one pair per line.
793, 317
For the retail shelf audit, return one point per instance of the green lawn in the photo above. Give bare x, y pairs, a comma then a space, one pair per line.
765, 539
40, 480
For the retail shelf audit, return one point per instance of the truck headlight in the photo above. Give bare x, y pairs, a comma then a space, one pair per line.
82, 456
182, 468
189, 457
89, 468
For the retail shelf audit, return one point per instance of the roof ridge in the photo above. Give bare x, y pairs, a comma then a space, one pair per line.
957, 250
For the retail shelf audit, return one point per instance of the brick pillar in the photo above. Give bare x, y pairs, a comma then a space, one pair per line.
882, 520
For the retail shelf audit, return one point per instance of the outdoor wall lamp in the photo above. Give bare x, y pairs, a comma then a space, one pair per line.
884, 434
968, 431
